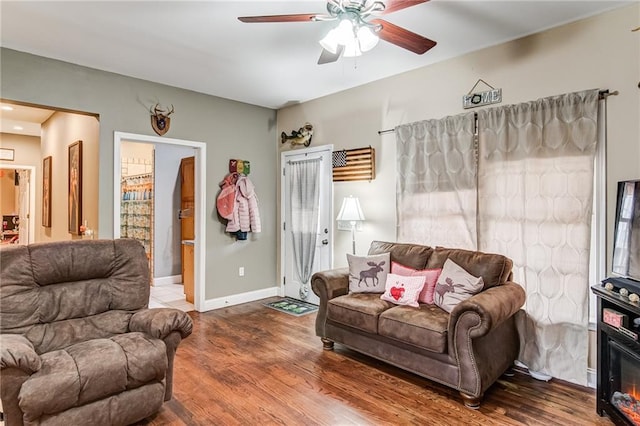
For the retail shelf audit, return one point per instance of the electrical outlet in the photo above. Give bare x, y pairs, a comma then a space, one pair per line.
345, 225
241, 271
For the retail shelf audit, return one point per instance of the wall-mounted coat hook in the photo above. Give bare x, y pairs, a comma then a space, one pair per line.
239, 166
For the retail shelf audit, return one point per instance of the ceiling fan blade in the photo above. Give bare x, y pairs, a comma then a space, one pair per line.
303, 17
327, 57
393, 5
403, 38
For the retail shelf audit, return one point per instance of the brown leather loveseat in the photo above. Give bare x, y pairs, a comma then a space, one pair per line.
467, 349
78, 345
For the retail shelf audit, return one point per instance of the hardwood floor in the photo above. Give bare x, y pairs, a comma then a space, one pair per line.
251, 365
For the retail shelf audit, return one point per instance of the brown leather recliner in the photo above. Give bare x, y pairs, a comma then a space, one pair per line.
78, 344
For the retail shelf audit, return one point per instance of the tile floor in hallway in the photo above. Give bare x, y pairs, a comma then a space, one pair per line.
169, 296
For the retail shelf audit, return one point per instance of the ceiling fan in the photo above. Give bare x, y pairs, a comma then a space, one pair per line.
356, 33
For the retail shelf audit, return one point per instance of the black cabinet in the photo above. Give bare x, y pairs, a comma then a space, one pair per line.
618, 382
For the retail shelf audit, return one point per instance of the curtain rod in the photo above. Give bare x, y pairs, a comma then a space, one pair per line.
603, 95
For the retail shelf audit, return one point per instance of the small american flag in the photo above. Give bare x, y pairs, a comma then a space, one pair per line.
339, 158
354, 164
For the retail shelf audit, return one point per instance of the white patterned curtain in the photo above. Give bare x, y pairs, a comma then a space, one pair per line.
436, 182
24, 177
535, 190
305, 204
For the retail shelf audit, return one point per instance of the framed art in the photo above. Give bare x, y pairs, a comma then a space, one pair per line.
7, 154
75, 187
46, 192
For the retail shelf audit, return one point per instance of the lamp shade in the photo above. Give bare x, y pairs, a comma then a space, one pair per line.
354, 37
340, 35
367, 39
350, 210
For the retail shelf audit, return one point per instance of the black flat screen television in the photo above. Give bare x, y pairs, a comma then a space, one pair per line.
626, 237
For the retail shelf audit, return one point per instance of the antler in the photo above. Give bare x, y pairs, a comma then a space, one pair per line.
157, 110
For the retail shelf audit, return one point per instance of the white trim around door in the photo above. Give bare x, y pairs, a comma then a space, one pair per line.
200, 197
33, 175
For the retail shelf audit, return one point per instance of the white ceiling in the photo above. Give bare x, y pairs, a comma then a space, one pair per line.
201, 45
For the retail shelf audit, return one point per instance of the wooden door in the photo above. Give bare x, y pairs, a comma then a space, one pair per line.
187, 210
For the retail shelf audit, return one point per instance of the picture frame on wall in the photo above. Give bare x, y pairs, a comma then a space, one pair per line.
46, 192
7, 154
75, 187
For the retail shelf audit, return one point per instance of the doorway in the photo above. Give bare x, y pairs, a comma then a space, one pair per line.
18, 203
198, 150
292, 280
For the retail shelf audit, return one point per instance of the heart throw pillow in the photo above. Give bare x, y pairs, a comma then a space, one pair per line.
403, 290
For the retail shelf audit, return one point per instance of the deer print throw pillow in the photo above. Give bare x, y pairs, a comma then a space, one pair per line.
455, 285
368, 274
403, 290
430, 279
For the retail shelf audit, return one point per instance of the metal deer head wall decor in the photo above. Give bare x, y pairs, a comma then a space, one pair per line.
160, 120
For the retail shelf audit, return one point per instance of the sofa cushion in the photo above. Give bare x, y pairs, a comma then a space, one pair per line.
92, 370
425, 327
368, 274
412, 255
430, 279
358, 310
495, 269
403, 290
455, 285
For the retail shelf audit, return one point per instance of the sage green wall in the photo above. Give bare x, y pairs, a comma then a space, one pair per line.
230, 129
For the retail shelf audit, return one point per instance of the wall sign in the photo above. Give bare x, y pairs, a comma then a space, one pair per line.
489, 97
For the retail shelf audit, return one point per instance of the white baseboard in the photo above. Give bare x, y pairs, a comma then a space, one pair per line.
592, 377
236, 299
172, 279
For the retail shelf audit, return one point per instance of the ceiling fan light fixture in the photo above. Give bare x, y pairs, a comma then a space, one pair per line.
340, 35
352, 48
367, 39
330, 41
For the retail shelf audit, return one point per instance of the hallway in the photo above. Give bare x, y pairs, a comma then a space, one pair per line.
169, 296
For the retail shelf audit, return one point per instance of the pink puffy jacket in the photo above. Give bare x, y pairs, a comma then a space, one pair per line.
246, 216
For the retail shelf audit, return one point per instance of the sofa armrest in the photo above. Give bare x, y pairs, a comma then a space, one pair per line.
492, 306
328, 285
160, 322
18, 352
482, 340
332, 283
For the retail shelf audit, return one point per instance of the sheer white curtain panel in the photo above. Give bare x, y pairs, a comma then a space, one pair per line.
436, 182
305, 204
536, 169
